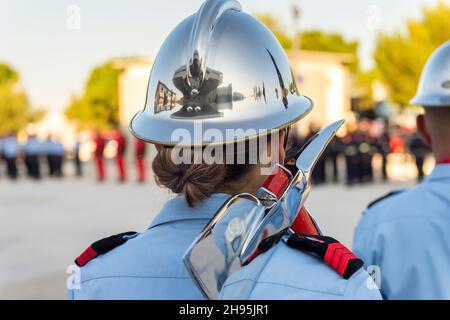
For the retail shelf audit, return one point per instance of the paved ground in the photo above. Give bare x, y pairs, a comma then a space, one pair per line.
44, 225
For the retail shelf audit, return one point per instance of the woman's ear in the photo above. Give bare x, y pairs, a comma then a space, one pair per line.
422, 128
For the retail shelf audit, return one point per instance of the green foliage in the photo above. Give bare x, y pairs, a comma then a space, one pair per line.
400, 57
15, 109
7, 74
98, 107
278, 30
315, 40
330, 42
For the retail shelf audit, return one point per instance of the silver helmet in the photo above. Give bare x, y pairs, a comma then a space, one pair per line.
434, 85
221, 70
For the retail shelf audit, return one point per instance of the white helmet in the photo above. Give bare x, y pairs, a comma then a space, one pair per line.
224, 70
434, 86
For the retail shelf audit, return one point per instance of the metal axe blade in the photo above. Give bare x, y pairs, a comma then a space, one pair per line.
281, 216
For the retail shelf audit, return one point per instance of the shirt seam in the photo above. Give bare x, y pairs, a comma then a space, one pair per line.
146, 277
396, 221
262, 269
282, 285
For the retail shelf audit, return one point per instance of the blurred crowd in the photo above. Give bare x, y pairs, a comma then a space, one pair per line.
362, 141
37, 158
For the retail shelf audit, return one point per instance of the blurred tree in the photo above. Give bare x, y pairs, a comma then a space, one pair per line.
330, 42
15, 109
313, 40
7, 74
400, 57
278, 30
98, 107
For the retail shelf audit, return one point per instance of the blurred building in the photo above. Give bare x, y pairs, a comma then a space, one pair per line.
325, 78
132, 86
322, 76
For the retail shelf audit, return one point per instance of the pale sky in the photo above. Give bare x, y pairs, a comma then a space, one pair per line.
54, 61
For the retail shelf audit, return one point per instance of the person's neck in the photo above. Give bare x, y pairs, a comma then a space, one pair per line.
248, 184
234, 189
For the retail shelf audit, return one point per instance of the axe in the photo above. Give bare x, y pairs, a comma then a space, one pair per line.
246, 225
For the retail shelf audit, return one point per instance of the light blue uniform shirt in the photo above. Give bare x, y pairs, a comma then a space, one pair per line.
150, 266
408, 237
11, 147
289, 274
53, 147
32, 147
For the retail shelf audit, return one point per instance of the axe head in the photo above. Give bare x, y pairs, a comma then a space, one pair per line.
244, 226
284, 212
214, 254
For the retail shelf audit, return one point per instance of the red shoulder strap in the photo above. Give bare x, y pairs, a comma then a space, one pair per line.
331, 251
103, 246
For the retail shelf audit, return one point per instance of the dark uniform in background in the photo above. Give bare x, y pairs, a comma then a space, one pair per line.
384, 148
332, 153
55, 154
58, 155
319, 174
32, 152
48, 156
352, 159
77, 159
366, 151
420, 150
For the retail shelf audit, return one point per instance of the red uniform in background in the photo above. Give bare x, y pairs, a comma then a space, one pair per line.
120, 161
99, 147
140, 159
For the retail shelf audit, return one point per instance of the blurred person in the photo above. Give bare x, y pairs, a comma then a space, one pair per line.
48, 146
383, 148
120, 155
332, 155
406, 233
55, 154
77, 159
32, 152
397, 144
351, 153
11, 150
319, 173
58, 153
419, 149
140, 149
149, 265
98, 155
365, 151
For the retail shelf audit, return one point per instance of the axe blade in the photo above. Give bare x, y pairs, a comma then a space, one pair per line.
214, 254
281, 216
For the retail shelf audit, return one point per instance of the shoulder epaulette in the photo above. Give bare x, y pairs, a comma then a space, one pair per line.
389, 194
103, 246
331, 251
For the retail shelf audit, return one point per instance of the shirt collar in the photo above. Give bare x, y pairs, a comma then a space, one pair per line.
177, 209
440, 172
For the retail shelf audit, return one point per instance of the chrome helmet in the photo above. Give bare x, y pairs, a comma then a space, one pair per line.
434, 85
219, 69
